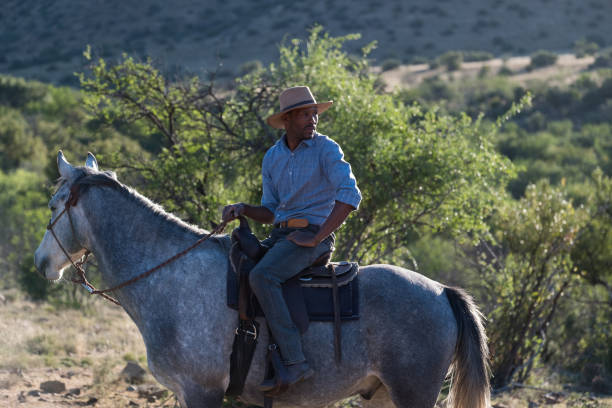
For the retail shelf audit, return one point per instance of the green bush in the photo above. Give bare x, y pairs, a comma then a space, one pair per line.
418, 171
419, 59
602, 60
527, 270
249, 67
541, 59
469, 56
390, 63
451, 60
583, 48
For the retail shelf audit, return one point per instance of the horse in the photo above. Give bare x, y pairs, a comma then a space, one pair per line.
412, 331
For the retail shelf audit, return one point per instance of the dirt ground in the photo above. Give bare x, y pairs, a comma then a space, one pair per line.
22, 388
83, 352
565, 71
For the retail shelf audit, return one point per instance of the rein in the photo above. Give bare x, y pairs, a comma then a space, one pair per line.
78, 266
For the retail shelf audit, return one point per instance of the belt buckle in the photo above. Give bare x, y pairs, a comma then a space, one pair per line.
297, 223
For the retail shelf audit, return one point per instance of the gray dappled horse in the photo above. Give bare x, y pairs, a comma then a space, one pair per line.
411, 329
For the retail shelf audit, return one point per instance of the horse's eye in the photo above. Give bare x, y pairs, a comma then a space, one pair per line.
53, 208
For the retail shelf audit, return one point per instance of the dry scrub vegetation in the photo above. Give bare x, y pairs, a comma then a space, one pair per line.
87, 349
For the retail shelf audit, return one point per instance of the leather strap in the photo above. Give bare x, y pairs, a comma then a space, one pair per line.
293, 223
337, 322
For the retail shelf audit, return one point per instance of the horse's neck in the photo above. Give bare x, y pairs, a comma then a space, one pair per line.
129, 238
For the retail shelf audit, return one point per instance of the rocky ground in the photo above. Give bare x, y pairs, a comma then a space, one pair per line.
93, 356
74, 387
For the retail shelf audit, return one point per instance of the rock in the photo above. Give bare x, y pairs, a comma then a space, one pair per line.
68, 374
133, 404
131, 388
21, 397
73, 392
2, 299
152, 392
34, 393
54, 387
554, 397
92, 401
133, 373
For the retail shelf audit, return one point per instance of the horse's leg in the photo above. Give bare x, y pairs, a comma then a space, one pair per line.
404, 396
196, 396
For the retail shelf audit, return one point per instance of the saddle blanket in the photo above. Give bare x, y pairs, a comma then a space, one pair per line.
317, 298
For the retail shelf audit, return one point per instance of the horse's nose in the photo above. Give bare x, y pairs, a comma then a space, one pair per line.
39, 263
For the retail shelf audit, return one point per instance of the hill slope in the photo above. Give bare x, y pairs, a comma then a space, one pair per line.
44, 39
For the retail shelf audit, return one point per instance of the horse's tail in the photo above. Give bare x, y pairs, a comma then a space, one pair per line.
470, 366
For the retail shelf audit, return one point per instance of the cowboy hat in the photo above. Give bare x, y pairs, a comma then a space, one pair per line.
295, 98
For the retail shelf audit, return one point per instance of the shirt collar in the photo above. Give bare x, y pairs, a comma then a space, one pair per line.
307, 142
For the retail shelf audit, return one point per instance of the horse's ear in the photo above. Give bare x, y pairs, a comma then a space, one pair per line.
65, 169
91, 161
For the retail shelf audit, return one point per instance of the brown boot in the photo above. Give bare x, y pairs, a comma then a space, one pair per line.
299, 372
295, 373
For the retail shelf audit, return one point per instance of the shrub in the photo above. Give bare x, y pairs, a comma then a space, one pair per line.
249, 67
390, 63
451, 60
469, 56
484, 71
419, 59
542, 58
603, 60
582, 48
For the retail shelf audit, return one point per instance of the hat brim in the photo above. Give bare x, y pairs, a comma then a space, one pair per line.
276, 120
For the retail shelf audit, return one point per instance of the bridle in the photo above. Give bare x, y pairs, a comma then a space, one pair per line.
73, 198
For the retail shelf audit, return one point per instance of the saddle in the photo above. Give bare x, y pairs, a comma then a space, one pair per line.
325, 291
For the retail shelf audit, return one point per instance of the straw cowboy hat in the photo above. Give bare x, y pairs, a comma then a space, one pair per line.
295, 98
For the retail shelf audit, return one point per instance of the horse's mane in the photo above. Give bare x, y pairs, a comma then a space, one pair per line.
87, 178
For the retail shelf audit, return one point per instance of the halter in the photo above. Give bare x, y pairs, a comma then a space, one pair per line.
73, 198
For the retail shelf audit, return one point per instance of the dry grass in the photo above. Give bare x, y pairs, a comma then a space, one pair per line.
86, 349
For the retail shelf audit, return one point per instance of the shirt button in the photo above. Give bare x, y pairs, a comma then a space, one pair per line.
290, 173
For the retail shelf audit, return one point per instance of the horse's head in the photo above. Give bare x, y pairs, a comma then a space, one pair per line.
66, 222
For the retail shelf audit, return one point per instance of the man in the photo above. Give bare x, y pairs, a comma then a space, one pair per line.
308, 191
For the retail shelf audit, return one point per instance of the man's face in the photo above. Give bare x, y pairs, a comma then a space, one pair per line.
302, 123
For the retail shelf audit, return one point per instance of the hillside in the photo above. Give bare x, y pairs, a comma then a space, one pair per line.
45, 40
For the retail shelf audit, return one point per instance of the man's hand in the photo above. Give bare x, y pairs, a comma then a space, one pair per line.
303, 238
232, 211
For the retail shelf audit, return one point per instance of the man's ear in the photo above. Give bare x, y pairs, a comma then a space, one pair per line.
286, 117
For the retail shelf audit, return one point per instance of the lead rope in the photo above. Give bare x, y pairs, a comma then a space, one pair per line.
78, 266
216, 231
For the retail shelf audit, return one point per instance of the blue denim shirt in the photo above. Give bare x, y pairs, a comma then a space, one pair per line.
306, 182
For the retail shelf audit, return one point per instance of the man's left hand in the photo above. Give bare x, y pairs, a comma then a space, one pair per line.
303, 238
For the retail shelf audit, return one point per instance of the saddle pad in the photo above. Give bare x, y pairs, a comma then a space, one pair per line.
320, 304
318, 300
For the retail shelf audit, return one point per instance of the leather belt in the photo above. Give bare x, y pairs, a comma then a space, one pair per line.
293, 223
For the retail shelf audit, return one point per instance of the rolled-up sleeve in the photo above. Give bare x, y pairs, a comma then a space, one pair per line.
340, 175
269, 198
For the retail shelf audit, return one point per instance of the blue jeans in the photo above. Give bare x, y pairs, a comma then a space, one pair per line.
283, 261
